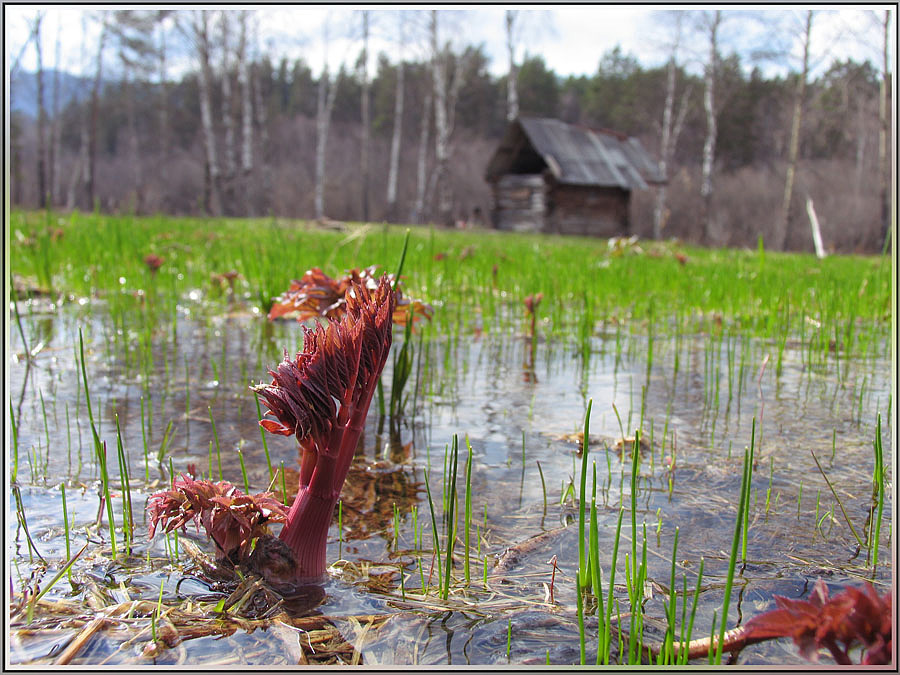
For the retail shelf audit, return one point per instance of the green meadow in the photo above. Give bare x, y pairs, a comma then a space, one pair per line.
480, 276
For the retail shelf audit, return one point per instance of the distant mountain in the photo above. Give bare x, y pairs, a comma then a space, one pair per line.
23, 91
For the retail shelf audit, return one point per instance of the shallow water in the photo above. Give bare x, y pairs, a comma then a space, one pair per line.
515, 408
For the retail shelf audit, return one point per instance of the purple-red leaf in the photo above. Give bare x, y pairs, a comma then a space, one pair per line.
317, 295
854, 617
231, 518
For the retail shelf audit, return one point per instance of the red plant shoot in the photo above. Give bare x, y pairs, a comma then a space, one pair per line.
854, 617
231, 518
318, 295
322, 397
531, 304
153, 262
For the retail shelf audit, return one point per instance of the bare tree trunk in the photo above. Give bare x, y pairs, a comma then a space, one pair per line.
246, 116
441, 124
213, 190
394, 169
80, 164
421, 164
17, 181
860, 160
659, 215
82, 161
42, 115
136, 154
15, 151
884, 163
16, 62
364, 113
327, 93
709, 145
444, 112
669, 135
784, 221
163, 95
53, 158
94, 121
261, 123
512, 90
227, 117
138, 176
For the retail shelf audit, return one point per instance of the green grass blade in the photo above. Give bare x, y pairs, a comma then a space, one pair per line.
582, 560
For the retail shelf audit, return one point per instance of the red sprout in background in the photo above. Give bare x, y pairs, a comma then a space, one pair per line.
317, 295
153, 262
531, 304
226, 279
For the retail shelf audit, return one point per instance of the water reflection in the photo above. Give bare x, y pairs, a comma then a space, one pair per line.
517, 402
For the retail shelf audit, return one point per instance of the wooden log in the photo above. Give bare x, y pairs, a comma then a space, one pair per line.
816, 232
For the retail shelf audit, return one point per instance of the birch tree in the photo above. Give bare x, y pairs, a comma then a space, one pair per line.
163, 77
784, 220
363, 68
324, 107
394, 163
54, 149
133, 141
512, 90
710, 22
15, 131
671, 123
884, 104
81, 162
441, 122
445, 95
198, 32
243, 72
132, 32
42, 113
94, 117
228, 124
422, 159
260, 121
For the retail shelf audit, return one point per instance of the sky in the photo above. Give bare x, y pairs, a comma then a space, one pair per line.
570, 38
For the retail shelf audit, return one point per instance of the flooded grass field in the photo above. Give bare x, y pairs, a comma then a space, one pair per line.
456, 541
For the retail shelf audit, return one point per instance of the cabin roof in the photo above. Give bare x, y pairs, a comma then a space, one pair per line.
575, 155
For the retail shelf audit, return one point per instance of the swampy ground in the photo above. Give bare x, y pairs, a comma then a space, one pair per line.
698, 353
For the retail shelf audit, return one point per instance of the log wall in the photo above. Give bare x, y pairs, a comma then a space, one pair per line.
519, 202
532, 203
595, 211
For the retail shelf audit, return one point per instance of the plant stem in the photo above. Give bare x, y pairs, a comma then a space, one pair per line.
582, 566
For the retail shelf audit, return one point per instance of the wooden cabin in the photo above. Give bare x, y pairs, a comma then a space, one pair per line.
549, 176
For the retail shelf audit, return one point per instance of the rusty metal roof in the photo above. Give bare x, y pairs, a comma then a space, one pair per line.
575, 155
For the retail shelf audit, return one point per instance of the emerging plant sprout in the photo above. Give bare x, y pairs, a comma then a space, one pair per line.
531, 304
153, 263
318, 295
226, 280
322, 398
854, 618
232, 519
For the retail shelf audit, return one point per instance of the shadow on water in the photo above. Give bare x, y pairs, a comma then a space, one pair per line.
183, 401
